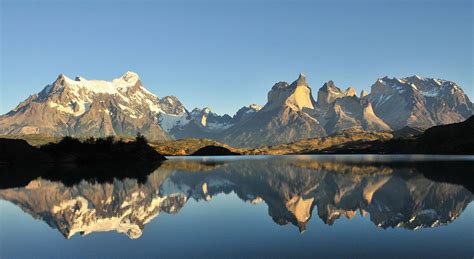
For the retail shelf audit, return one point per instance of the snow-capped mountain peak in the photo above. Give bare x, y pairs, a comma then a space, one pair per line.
121, 84
84, 107
130, 76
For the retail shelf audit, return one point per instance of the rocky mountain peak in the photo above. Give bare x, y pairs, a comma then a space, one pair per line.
60, 83
61, 80
363, 93
130, 76
209, 120
296, 96
327, 94
301, 80
416, 77
172, 105
245, 113
350, 91
330, 85
280, 85
61, 77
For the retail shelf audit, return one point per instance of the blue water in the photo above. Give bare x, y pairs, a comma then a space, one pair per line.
238, 207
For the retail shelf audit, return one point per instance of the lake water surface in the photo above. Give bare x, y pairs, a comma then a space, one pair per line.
261, 206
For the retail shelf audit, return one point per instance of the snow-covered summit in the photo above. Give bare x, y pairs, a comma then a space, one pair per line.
120, 84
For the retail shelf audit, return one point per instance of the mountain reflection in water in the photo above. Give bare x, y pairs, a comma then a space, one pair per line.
295, 188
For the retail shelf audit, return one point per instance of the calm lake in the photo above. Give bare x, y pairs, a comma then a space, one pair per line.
261, 206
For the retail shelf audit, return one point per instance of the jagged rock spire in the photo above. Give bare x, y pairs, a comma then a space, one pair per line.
301, 80
350, 91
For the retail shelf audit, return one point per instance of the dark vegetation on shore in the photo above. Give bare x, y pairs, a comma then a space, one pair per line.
71, 160
72, 150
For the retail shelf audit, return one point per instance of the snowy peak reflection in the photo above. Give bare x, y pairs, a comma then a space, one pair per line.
293, 190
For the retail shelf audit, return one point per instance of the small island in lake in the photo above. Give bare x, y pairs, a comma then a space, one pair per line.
214, 151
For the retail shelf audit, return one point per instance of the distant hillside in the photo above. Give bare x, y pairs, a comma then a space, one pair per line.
190, 146
303, 146
456, 138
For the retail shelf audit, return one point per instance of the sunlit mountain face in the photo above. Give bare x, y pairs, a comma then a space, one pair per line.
296, 190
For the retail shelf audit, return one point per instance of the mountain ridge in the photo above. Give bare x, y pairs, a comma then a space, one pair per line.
123, 107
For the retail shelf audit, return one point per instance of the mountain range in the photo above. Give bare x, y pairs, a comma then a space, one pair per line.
123, 107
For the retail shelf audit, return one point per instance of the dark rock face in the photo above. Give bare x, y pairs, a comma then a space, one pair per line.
214, 151
245, 113
350, 112
327, 94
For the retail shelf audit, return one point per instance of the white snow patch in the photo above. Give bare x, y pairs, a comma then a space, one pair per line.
153, 106
255, 107
169, 121
83, 107
132, 113
431, 93
101, 86
170, 100
398, 88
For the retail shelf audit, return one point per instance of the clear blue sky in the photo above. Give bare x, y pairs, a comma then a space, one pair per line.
226, 54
